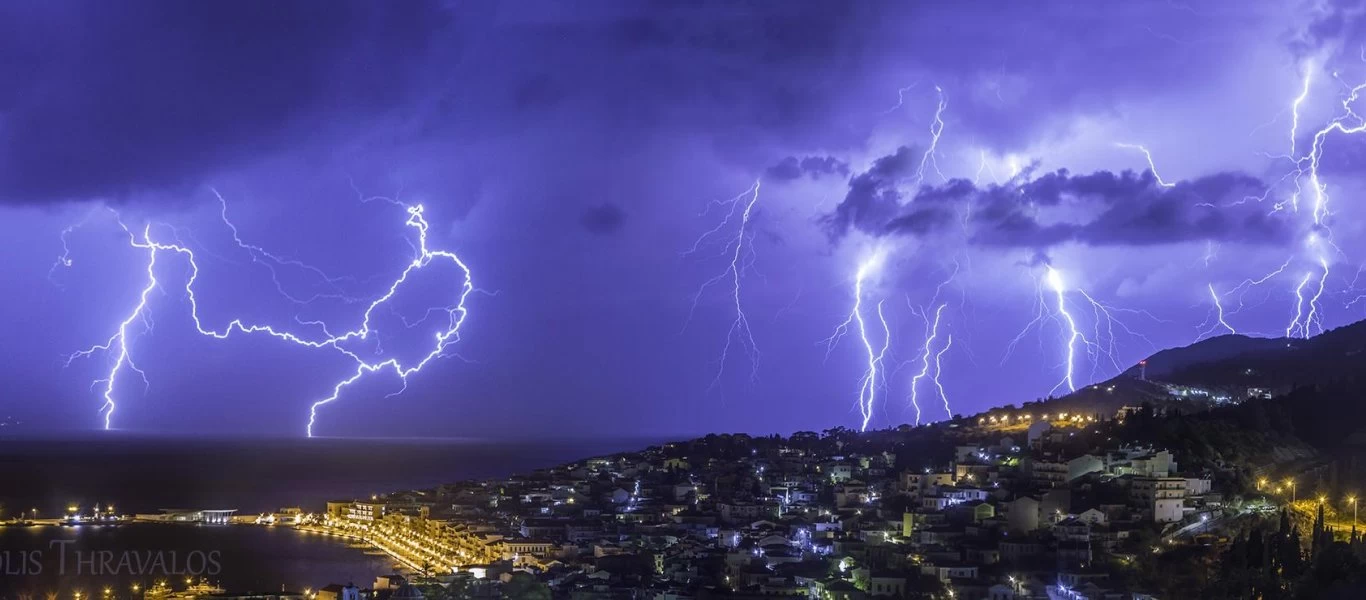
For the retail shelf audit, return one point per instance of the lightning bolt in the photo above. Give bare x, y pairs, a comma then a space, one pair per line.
939, 369
1151, 167
931, 333
1307, 318
1073, 334
64, 259
1106, 327
984, 165
936, 131
1295, 107
872, 378
1312, 319
900, 98
1220, 319
268, 260
342, 343
740, 250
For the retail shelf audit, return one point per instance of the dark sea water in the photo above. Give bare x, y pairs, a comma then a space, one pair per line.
236, 557
143, 475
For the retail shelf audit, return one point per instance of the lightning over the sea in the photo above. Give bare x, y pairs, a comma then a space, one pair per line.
346, 343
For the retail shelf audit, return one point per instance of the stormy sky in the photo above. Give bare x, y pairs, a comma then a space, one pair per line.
611, 173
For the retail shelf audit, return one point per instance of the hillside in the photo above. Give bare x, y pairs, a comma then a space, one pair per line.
1229, 368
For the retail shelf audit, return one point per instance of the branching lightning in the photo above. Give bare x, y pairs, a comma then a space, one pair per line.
939, 370
1073, 334
342, 343
931, 334
936, 131
1220, 320
873, 377
1101, 343
1307, 318
900, 98
739, 249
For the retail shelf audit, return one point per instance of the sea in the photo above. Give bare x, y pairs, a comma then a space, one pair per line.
139, 475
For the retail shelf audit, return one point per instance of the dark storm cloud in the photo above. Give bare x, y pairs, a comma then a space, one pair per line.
874, 196
106, 98
603, 219
815, 167
1103, 208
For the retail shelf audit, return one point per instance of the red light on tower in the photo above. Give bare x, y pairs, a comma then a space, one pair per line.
1143, 369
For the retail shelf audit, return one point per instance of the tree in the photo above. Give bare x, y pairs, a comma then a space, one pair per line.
524, 586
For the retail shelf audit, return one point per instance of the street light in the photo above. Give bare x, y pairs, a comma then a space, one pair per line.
1353, 501
1261, 483
1291, 483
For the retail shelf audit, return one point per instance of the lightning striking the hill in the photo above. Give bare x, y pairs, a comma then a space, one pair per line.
1073, 334
1209, 327
931, 333
873, 377
119, 343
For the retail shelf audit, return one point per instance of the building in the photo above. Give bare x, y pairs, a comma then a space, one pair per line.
1022, 514
339, 592
1160, 498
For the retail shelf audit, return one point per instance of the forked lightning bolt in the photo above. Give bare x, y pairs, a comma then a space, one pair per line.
119, 343
872, 378
739, 249
1220, 321
931, 334
1102, 343
1073, 334
1307, 318
936, 131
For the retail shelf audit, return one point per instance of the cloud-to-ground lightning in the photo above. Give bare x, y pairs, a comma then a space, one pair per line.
872, 378
118, 343
1053, 305
1072, 333
1306, 320
1219, 321
931, 334
342, 343
739, 250
939, 370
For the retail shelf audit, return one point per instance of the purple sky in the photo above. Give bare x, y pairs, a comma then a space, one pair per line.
572, 154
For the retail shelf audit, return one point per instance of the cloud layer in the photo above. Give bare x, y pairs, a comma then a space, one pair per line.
1103, 208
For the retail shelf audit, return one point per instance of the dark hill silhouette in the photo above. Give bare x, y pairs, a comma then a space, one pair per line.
1165, 363
1189, 378
1277, 364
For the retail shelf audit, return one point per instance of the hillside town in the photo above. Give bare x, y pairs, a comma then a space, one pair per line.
1053, 508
